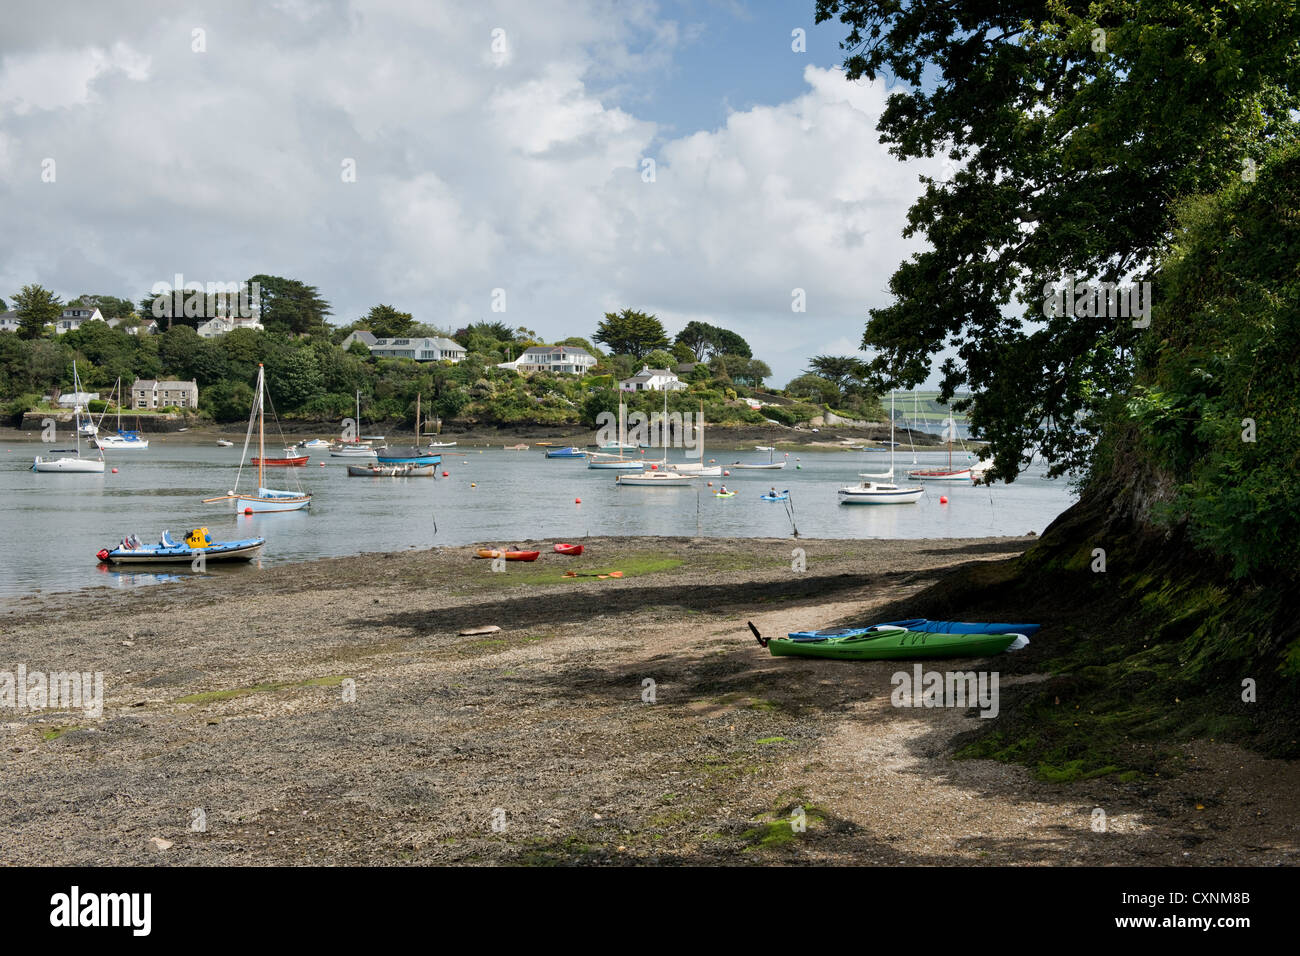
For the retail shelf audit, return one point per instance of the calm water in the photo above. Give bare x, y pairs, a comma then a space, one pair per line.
54, 524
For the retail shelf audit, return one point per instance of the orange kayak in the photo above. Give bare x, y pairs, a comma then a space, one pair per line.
570, 549
508, 555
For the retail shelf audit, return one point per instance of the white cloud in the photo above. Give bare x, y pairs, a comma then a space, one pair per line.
470, 176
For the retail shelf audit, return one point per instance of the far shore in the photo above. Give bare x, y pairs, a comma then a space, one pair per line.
726, 437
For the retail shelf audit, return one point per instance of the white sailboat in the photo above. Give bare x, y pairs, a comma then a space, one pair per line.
661, 477
877, 492
607, 462
698, 469
76, 465
354, 447
123, 440
265, 499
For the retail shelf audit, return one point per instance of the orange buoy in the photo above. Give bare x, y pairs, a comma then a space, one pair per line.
943, 499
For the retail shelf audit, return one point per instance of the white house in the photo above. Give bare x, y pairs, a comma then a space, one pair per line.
9, 321
74, 315
422, 349
566, 359
147, 326
360, 335
224, 324
652, 380
148, 393
73, 399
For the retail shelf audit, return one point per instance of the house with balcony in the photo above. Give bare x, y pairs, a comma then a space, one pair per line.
149, 393
75, 315
557, 359
437, 349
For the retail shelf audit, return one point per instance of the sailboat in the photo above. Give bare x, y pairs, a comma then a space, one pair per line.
408, 454
770, 465
123, 440
353, 447
77, 465
265, 499
943, 474
874, 492
598, 461
698, 469
659, 478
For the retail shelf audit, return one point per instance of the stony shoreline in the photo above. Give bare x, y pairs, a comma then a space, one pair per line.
536, 744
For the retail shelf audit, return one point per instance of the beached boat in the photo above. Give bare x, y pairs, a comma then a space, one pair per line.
573, 550
196, 544
508, 555
923, 624
891, 643
265, 499
75, 465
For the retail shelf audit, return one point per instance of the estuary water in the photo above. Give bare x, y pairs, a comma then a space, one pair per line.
52, 525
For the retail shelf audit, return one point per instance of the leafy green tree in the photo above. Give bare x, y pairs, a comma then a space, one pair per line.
813, 388
387, 322
289, 305
37, 307
1071, 129
631, 333
660, 358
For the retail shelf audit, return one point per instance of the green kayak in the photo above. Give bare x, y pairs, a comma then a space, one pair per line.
897, 645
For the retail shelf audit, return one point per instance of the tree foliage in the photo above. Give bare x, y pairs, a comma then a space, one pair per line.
631, 333
1071, 128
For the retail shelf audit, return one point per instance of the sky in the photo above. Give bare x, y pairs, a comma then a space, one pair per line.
425, 155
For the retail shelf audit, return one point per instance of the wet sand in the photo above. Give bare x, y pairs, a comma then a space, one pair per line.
225, 737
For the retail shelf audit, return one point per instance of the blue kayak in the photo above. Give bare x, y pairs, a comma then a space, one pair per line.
923, 625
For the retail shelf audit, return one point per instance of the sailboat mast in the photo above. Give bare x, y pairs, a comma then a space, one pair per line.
261, 438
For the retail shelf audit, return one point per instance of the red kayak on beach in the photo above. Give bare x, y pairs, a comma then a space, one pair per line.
569, 549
